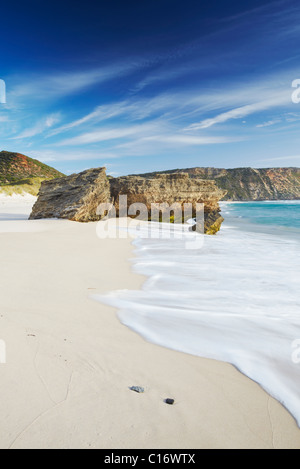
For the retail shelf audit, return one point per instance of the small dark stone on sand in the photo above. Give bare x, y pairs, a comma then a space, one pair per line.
169, 401
138, 389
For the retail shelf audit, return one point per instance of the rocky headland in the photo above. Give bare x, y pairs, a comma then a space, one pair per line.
250, 183
20, 174
77, 197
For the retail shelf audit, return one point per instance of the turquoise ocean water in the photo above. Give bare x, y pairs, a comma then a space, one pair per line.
281, 217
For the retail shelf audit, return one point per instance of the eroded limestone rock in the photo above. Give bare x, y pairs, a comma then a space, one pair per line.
74, 197
77, 197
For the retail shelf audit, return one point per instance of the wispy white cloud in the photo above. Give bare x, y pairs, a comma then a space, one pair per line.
167, 141
282, 98
52, 155
39, 128
176, 139
269, 123
266, 10
133, 109
283, 158
107, 134
276, 21
181, 117
100, 113
56, 85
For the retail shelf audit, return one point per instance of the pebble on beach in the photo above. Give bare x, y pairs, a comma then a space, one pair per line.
169, 401
138, 389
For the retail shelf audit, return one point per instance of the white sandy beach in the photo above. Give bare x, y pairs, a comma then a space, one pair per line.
70, 362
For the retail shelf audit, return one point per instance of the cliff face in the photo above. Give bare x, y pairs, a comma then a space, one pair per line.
252, 184
172, 188
77, 197
18, 172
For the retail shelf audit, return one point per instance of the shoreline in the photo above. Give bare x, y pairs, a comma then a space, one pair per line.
159, 316
70, 361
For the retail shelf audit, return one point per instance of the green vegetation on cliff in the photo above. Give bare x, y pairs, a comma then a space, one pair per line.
19, 174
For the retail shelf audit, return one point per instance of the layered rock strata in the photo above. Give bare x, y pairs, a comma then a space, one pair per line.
250, 183
171, 189
77, 197
74, 197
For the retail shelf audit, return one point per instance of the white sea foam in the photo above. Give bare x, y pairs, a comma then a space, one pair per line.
234, 300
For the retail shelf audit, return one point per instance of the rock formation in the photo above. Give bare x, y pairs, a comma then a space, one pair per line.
171, 188
77, 197
73, 197
250, 183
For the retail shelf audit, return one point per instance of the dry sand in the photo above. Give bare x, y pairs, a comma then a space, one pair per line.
70, 362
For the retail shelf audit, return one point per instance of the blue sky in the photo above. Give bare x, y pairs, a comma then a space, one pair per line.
141, 86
